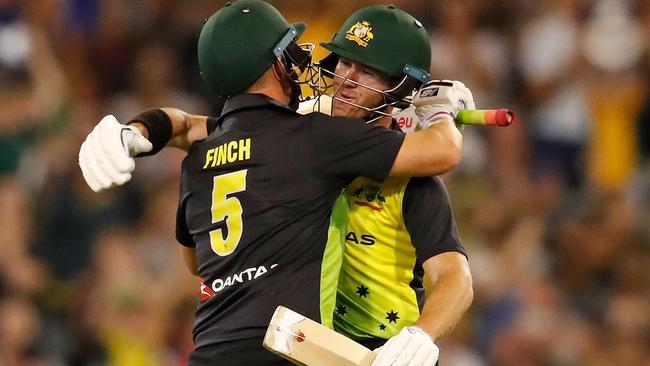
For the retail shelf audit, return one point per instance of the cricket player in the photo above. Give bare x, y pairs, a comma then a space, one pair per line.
257, 193
401, 232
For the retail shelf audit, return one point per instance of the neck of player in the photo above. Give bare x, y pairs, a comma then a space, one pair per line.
274, 84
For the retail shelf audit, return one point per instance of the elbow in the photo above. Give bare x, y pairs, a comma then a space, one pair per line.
453, 157
468, 289
469, 294
449, 159
455, 149
462, 280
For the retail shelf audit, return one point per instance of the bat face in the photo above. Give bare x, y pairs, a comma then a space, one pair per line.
305, 342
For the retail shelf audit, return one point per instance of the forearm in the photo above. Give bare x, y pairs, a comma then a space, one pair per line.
432, 151
446, 301
186, 128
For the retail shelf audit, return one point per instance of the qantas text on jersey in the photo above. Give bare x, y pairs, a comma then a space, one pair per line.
248, 274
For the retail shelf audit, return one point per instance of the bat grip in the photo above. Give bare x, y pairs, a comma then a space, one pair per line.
486, 117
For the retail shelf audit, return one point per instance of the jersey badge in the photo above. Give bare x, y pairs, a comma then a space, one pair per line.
369, 196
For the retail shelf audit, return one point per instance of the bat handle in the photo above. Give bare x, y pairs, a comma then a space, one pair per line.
486, 117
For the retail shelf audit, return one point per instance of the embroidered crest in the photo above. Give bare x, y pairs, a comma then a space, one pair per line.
361, 33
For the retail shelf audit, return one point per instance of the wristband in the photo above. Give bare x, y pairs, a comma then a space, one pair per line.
159, 126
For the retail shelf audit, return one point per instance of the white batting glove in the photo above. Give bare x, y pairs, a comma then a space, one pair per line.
410, 347
106, 157
441, 99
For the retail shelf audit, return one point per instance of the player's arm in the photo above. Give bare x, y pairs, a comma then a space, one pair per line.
186, 128
106, 156
438, 146
432, 151
428, 217
448, 291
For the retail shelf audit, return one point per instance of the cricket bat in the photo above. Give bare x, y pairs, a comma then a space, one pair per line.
306, 342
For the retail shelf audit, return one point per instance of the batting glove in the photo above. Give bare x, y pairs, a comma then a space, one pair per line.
441, 99
410, 347
106, 157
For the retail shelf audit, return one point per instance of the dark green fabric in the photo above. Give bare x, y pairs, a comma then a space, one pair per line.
236, 44
386, 39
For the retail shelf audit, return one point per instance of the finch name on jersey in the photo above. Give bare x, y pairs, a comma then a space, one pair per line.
228, 152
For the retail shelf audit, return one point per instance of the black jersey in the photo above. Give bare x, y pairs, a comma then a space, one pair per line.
256, 199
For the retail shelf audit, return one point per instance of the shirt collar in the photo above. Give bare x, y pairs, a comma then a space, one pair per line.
250, 101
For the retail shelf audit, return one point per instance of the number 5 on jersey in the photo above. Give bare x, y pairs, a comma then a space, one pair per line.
228, 209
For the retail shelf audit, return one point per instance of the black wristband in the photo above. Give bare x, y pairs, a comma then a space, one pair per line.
159, 126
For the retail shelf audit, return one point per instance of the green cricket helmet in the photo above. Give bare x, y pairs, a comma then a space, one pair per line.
389, 40
240, 41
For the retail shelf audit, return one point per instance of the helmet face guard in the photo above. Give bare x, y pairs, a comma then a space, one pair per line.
295, 59
385, 39
323, 80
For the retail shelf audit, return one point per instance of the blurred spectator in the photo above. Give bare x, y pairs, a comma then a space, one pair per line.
68, 216
613, 46
464, 48
29, 73
552, 72
19, 331
21, 273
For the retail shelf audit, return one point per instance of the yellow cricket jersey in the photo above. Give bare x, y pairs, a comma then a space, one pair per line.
393, 227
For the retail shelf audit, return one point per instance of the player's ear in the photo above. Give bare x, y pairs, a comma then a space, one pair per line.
281, 76
278, 70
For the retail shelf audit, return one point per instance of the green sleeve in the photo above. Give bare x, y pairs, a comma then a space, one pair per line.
332, 260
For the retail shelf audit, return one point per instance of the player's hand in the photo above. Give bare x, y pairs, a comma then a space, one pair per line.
106, 157
410, 347
441, 99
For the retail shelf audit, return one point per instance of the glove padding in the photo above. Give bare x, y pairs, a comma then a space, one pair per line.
441, 99
410, 347
106, 157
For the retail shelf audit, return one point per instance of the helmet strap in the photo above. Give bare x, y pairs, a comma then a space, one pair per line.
291, 76
296, 95
376, 115
405, 88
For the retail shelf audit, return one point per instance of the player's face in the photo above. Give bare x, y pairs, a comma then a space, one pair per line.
356, 94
